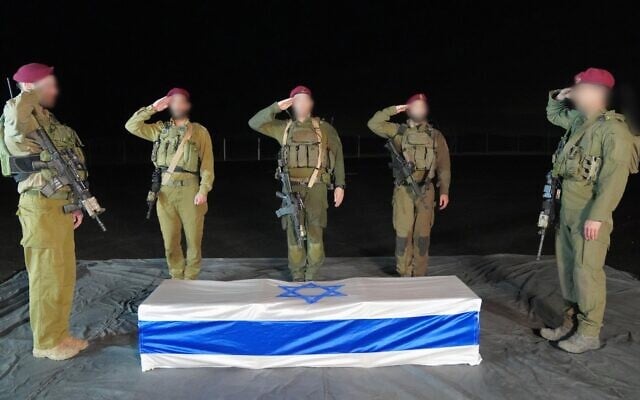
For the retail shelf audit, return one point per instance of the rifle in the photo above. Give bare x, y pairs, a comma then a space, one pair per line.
152, 196
550, 197
292, 205
67, 166
402, 169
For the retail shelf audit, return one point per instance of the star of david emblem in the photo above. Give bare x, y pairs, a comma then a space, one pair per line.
311, 292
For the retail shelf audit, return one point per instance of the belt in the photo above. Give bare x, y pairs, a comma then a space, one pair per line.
168, 181
56, 196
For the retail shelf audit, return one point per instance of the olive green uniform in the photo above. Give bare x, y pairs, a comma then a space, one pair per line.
304, 146
47, 232
594, 166
426, 148
193, 175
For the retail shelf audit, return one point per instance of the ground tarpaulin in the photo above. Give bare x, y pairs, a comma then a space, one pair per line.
519, 295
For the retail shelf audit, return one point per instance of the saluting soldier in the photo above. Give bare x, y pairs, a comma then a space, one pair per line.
425, 148
183, 153
315, 162
47, 231
593, 161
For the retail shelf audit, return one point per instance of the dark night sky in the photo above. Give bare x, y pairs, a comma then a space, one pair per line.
483, 67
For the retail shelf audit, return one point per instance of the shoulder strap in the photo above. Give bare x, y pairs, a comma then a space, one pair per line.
178, 154
316, 127
285, 136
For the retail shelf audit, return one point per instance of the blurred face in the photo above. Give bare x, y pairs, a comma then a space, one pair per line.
48, 91
418, 111
588, 97
302, 105
179, 106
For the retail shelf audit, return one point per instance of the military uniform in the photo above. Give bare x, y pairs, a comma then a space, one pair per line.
306, 144
594, 165
192, 175
47, 232
426, 148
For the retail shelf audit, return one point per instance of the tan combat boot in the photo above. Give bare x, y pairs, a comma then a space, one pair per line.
556, 334
579, 343
78, 343
60, 352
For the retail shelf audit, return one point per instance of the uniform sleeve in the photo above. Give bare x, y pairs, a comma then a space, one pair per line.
614, 173
443, 164
265, 122
335, 146
206, 163
19, 122
380, 125
558, 113
137, 124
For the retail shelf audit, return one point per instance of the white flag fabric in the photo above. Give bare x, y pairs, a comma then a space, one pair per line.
265, 323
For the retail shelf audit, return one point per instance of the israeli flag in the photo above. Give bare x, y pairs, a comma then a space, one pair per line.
264, 323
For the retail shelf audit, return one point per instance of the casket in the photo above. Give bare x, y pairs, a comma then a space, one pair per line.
264, 323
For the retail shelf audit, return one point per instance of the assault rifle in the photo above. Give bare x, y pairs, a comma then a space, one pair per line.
67, 166
548, 213
152, 196
402, 169
292, 205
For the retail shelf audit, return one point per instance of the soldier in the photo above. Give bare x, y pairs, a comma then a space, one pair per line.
593, 161
47, 232
313, 154
183, 153
426, 149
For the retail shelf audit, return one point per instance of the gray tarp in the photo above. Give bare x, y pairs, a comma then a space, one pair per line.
519, 295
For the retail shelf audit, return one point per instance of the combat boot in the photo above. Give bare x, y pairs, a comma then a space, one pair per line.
579, 343
60, 352
556, 334
78, 343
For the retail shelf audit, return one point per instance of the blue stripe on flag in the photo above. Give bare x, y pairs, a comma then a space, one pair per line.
308, 337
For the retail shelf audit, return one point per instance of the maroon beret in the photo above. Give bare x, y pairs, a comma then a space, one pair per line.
596, 76
177, 90
33, 72
417, 96
300, 90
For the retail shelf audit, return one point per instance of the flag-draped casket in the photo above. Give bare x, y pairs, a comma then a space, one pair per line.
264, 323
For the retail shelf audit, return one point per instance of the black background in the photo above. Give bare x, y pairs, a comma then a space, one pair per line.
484, 67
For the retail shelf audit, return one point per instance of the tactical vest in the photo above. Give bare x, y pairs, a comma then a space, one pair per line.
579, 156
305, 149
166, 145
419, 148
62, 137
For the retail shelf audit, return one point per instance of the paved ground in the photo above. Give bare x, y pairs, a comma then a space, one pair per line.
494, 206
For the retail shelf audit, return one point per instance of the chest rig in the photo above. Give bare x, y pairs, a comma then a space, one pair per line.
306, 152
579, 154
418, 147
166, 145
63, 138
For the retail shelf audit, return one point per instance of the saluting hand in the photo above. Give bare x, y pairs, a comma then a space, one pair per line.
401, 108
286, 103
564, 94
338, 196
161, 104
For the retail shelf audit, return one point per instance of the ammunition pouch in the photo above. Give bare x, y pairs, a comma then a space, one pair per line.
166, 146
577, 165
418, 148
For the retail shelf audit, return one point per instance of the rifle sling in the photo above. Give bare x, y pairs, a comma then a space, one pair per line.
177, 156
